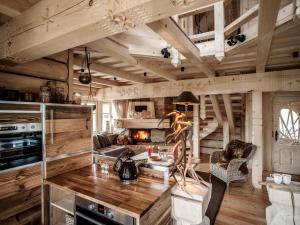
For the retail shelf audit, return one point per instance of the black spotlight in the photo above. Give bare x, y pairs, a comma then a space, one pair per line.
240, 37
182, 69
145, 74
231, 41
165, 53
115, 78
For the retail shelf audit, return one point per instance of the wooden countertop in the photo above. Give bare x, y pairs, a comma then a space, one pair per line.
133, 199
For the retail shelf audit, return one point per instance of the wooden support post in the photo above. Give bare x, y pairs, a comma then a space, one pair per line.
70, 75
226, 134
267, 15
257, 138
248, 118
196, 142
202, 107
219, 30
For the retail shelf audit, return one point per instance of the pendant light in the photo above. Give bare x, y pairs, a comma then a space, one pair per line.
85, 72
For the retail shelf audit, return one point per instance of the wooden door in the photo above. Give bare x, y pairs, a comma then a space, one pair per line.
286, 143
68, 130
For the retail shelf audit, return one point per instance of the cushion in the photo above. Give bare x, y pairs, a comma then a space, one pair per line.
101, 140
96, 142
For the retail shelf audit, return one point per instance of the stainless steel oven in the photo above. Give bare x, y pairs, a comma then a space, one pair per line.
20, 144
89, 213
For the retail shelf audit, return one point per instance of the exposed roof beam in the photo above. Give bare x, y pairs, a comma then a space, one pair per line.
94, 85
8, 11
267, 15
229, 113
35, 34
122, 53
111, 71
286, 80
169, 30
219, 20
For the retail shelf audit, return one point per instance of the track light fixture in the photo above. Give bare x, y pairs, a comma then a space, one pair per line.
234, 39
165, 52
145, 74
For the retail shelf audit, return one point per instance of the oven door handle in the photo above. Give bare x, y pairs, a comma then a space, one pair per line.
89, 219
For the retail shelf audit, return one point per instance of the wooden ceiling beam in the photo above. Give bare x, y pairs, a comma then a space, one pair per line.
122, 53
286, 80
52, 26
8, 11
101, 81
229, 113
267, 15
169, 30
111, 71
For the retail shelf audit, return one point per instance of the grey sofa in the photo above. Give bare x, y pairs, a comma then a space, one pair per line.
105, 146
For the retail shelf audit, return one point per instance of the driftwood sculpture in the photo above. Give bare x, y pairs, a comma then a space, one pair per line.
182, 131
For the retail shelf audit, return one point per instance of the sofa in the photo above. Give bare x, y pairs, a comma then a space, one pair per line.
105, 145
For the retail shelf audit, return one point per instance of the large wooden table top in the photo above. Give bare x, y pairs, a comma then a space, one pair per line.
134, 199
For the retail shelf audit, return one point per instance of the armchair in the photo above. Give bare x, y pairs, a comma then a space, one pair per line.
231, 164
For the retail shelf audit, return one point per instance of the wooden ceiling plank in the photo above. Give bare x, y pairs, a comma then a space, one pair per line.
169, 30
111, 71
229, 113
122, 53
267, 15
35, 34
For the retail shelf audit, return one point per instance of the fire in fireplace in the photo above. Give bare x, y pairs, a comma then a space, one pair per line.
140, 135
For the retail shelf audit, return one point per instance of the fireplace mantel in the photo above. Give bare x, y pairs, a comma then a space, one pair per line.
142, 123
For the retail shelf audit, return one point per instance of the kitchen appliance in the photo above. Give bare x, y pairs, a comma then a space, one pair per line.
126, 168
20, 144
90, 213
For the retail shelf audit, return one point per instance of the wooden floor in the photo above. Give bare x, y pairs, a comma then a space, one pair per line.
241, 206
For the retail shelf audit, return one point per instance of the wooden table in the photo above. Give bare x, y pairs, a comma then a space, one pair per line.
148, 200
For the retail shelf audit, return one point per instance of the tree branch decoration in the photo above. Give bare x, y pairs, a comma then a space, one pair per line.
182, 131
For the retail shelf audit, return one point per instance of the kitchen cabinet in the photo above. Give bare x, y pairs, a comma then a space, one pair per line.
68, 129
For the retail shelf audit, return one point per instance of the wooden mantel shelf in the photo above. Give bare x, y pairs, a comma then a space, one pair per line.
142, 123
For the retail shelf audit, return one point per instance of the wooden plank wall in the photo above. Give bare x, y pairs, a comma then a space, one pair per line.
214, 141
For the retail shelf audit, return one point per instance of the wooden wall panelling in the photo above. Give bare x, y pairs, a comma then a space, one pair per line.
69, 131
20, 202
19, 180
20, 195
59, 166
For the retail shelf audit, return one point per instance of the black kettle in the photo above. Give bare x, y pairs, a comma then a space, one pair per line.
126, 168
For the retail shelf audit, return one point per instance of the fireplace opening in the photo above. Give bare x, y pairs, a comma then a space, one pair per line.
140, 135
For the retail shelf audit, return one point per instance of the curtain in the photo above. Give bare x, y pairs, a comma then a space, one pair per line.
120, 107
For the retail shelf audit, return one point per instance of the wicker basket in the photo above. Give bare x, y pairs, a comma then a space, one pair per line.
69, 219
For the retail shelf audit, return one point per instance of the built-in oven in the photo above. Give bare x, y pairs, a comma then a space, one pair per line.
89, 213
20, 144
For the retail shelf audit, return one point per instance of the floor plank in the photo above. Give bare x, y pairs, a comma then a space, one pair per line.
241, 206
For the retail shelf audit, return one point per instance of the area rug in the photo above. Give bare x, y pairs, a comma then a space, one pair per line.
217, 195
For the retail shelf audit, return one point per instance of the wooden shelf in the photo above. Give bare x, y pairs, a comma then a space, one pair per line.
66, 204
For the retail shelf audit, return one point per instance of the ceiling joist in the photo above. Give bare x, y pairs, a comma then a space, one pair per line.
267, 15
50, 26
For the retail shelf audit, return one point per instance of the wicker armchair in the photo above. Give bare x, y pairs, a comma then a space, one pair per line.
233, 171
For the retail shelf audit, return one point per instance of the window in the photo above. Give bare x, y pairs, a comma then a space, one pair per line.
106, 117
289, 126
